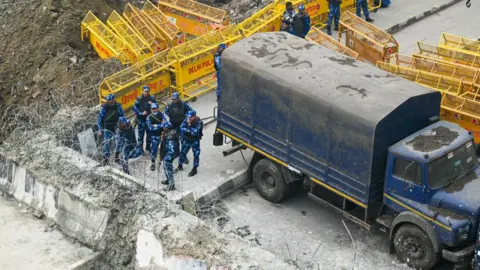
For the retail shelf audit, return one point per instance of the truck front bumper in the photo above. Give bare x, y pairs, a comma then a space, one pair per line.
464, 255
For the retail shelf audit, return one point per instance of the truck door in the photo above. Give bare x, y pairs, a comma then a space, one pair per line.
406, 179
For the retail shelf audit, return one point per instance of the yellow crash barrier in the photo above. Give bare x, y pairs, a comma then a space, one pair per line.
428, 51
127, 84
139, 46
145, 28
462, 111
265, 20
194, 70
319, 37
370, 42
192, 17
458, 43
168, 30
105, 42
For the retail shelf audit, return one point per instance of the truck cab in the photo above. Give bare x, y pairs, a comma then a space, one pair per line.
432, 187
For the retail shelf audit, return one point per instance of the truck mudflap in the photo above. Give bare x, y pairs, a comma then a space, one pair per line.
464, 255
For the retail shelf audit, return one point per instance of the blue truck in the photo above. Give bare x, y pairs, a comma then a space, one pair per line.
360, 140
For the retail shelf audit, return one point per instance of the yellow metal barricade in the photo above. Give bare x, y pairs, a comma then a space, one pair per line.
145, 28
462, 111
127, 84
192, 17
370, 42
169, 31
428, 51
462, 44
194, 70
325, 40
140, 48
265, 20
105, 42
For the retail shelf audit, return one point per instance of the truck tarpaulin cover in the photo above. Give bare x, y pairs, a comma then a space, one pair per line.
318, 111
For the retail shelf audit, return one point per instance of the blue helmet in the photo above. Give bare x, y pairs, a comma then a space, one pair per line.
175, 95
146, 88
110, 97
301, 7
154, 106
191, 113
222, 46
123, 120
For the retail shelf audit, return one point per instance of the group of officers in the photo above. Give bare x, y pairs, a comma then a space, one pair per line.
178, 126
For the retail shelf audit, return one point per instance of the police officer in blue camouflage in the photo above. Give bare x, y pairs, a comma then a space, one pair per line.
142, 110
155, 126
363, 5
217, 60
107, 122
170, 139
333, 14
288, 17
301, 22
177, 111
127, 142
192, 133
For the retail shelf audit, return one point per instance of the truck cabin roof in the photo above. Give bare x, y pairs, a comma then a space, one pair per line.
435, 140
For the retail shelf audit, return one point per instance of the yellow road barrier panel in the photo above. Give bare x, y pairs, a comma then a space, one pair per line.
462, 111
428, 51
194, 70
139, 46
192, 17
370, 42
319, 37
169, 31
265, 20
127, 84
145, 28
105, 42
458, 43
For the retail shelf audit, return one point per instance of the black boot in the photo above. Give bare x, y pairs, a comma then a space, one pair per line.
165, 182
152, 166
329, 30
186, 161
105, 161
169, 187
336, 28
117, 159
369, 19
179, 168
193, 172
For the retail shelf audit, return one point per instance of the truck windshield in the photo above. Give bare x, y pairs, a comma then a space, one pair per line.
451, 166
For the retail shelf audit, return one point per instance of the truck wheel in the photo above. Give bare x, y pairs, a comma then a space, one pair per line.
268, 180
414, 247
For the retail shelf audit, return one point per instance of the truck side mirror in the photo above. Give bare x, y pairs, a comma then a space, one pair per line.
407, 169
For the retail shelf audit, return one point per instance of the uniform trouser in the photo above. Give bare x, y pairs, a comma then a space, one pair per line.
108, 139
195, 146
177, 144
333, 14
142, 129
168, 160
362, 5
126, 153
218, 84
155, 143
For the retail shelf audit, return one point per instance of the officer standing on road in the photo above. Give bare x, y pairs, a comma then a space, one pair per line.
154, 124
170, 139
127, 142
217, 60
107, 122
363, 5
333, 14
192, 132
287, 19
301, 22
142, 110
177, 111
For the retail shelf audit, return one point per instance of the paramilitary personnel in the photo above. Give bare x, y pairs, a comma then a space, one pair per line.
107, 122
301, 22
177, 111
154, 123
142, 110
127, 142
363, 5
333, 14
217, 61
192, 133
287, 19
169, 141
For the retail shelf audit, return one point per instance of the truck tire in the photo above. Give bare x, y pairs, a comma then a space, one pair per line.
268, 180
414, 247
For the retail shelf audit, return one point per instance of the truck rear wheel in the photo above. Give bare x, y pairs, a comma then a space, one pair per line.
269, 181
414, 247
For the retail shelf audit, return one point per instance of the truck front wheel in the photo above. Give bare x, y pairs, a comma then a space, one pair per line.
414, 247
269, 181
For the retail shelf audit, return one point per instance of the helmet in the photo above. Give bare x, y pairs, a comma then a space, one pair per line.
191, 113
110, 97
222, 46
146, 88
301, 7
154, 106
175, 95
123, 120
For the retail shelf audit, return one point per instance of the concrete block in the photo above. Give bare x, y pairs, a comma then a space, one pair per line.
149, 251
